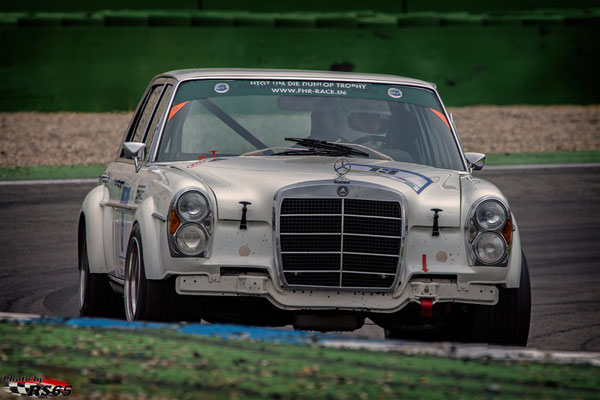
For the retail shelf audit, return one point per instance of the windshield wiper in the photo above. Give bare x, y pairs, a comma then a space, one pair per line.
321, 147
266, 149
377, 153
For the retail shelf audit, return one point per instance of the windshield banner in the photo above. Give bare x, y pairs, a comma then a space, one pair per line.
198, 89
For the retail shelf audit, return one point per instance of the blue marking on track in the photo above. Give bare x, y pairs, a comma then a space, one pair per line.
116, 323
224, 331
255, 333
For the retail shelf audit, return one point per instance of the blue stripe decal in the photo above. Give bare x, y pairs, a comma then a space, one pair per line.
414, 180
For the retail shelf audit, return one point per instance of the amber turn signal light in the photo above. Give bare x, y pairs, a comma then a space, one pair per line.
507, 231
174, 222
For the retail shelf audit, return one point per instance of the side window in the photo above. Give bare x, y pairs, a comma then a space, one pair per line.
138, 134
154, 124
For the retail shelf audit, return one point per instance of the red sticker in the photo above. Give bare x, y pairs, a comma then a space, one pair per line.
196, 163
442, 117
176, 108
203, 161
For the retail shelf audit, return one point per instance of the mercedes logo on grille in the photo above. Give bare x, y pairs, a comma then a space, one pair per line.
342, 191
342, 166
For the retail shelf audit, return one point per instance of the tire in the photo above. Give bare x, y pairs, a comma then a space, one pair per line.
96, 297
507, 322
153, 300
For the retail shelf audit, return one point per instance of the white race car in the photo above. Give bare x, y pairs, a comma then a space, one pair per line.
304, 198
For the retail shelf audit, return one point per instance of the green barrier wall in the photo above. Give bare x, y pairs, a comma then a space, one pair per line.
393, 5
390, 6
102, 61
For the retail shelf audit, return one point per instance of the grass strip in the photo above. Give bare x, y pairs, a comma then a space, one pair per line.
92, 171
51, 172
111, 363
550, 157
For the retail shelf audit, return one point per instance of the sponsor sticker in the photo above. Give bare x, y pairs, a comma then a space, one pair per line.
221, 87
395, 92
203, 161
125, 194
139, 194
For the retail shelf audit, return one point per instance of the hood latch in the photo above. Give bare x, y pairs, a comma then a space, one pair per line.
243, 222
436, 228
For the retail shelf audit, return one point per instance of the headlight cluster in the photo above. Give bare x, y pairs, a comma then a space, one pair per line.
489, 233
190, 223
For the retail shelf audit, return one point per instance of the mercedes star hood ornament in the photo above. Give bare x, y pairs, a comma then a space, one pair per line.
342, 166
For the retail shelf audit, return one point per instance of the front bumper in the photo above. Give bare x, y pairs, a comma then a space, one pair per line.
436, 290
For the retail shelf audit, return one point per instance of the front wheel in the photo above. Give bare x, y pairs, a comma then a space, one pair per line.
149, 299
508, 321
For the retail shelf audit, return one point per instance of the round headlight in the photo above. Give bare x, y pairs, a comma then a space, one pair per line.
192, 206
490, 215
191, 239
489, 248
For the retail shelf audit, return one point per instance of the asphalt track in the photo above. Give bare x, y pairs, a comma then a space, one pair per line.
556, 209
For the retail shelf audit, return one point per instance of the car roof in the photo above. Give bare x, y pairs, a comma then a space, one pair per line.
241, 73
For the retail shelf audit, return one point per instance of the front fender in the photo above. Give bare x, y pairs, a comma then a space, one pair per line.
93, 213
513, 278
150, 228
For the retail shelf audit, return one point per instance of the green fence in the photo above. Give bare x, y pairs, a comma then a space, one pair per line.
101, 61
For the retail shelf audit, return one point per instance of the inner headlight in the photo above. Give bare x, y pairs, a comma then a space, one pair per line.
192, 206
490, 215
191, 239
489, 247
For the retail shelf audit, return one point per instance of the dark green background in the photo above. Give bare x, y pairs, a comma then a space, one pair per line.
296, 5
81, 59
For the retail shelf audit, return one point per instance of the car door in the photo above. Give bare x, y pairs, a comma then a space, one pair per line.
122, 181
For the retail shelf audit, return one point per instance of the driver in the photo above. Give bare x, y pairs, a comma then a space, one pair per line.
324, 124
348, 120
363, 118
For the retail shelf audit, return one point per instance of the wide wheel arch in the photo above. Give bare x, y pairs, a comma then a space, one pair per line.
157, 299
96, 298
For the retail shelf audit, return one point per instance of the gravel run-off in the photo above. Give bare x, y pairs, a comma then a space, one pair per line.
66, 138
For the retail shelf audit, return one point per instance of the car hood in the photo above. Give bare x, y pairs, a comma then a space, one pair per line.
257, 178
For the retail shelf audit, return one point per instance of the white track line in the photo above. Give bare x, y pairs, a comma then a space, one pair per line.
19, 316
471, 351
540, 166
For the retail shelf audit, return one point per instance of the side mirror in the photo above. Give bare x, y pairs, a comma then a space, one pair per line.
134, 151
475, 160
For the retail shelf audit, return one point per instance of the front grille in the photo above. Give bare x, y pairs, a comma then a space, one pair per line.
339, 243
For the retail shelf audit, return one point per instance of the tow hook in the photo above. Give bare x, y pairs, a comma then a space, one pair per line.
426, 307
436, 229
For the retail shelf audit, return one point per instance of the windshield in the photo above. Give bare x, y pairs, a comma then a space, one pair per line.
232, 117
